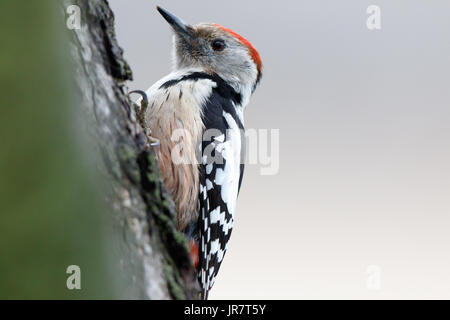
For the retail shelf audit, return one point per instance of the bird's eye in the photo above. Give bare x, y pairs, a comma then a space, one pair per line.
218, 45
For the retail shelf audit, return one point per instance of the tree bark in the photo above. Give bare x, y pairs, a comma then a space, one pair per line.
153, 257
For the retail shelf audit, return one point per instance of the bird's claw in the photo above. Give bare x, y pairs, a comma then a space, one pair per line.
153, 142
143, 95
140, 117
140, 111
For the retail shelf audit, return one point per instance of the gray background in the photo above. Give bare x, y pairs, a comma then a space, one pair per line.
364, 153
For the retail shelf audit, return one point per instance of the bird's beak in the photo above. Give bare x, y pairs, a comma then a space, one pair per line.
177, 24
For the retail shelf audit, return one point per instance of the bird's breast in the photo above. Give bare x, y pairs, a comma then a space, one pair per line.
174, 117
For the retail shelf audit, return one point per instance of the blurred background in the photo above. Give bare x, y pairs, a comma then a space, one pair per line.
50, 213
360, 207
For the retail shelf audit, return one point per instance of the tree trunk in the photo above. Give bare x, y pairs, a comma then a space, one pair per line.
153, 257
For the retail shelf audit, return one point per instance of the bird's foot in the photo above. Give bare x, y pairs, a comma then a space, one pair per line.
140, 117
140, 110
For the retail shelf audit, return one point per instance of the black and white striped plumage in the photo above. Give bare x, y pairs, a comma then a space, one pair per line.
221, 171
216, 71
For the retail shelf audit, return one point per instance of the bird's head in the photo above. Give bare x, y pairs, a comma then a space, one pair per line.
215, 50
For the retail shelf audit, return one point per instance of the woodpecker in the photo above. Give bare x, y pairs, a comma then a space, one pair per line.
196, 112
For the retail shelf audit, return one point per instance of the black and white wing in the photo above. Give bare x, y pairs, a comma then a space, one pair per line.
221, 173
